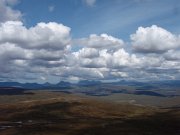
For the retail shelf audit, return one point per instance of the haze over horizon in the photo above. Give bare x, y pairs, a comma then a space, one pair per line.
71, 40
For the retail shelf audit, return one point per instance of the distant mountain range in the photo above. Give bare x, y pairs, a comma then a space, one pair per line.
47, 85
86, 83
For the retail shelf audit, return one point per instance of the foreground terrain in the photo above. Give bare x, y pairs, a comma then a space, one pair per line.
46, 113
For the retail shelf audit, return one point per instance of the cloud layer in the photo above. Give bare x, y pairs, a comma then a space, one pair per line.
44, 52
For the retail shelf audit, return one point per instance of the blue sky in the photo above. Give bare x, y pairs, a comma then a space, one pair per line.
53, 40
119, 18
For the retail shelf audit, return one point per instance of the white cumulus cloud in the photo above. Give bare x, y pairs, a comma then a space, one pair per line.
42, 36
102, 41
154, 39
7, 13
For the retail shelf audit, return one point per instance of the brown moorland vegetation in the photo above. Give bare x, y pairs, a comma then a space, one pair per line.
73, 115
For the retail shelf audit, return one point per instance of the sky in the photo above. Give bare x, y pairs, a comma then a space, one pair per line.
71, 40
